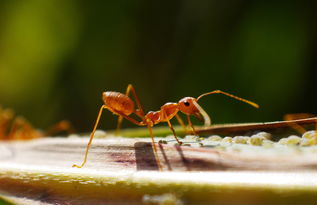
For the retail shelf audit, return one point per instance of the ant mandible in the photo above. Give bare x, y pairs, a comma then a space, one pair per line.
122, 105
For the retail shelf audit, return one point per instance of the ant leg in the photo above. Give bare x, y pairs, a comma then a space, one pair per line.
174, 133
91, 137
171, 126
181, 122
191, 124
119, 123
151, 134
138, 112
129, 118
154, 148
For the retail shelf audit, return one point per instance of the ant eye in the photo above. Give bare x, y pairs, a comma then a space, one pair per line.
186, 103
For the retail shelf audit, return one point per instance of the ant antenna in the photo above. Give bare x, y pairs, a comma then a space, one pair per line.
230, 95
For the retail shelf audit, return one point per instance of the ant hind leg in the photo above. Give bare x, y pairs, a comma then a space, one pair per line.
139, 112
91, 137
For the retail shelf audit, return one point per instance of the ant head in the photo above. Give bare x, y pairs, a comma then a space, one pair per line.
190, 106
186, 105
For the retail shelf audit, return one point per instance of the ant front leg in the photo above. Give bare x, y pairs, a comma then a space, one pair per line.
191, 124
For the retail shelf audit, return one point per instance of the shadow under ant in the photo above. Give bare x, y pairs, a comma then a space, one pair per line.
144, 156
146, 160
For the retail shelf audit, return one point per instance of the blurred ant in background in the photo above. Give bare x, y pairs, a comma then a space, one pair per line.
18, 128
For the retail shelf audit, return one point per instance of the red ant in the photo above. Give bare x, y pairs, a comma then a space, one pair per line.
122, 105
16, 127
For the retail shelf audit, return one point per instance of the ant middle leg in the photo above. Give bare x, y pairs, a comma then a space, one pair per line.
191, 124
154, 147
148, 124
171, 126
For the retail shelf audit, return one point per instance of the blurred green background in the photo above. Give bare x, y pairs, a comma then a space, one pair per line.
57, 57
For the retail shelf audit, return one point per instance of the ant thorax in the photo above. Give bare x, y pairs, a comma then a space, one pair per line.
168, 111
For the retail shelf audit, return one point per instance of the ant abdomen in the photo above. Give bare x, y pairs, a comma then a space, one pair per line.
118, 102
